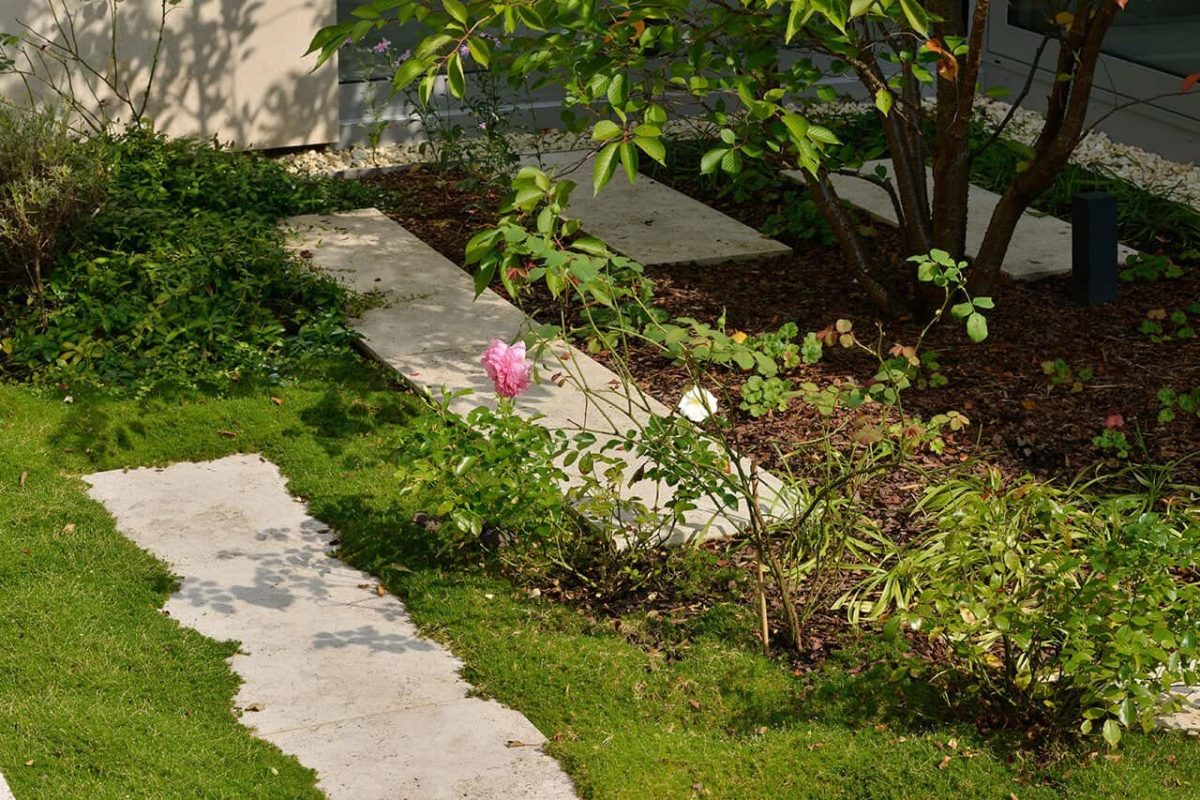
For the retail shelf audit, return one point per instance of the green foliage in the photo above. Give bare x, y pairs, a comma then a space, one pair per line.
1143, 267
1060, 374
762, 396
535, 242
50, 182
496, 474
1054, 610
940, 269
182, 278
1175, 402
1162, 326
1114, 441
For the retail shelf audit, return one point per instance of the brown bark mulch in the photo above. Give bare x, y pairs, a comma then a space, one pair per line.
1019, 418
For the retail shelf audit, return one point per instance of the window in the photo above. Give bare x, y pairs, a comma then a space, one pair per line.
1163, 35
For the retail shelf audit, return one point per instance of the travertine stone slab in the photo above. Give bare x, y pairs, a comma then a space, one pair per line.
333, 673
432, 332
653, 224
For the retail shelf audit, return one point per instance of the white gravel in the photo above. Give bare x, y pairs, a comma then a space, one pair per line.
1170, 179
1150, 171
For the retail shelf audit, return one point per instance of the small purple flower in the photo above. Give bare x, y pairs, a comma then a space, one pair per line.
382, 47
483, 126
405, 56
464, 51
349, 41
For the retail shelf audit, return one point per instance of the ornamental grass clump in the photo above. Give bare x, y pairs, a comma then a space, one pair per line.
1047, 609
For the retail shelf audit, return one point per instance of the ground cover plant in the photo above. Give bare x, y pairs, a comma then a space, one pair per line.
177, 275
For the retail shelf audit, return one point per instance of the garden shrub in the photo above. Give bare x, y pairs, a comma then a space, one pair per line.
1049, 609
50, 181
182, 278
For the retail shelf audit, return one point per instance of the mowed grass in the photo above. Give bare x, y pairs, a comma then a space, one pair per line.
109, 698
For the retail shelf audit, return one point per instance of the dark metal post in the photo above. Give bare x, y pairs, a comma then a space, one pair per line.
1094, 249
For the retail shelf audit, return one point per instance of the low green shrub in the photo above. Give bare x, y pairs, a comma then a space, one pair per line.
50, 181
1047, 609
182, 278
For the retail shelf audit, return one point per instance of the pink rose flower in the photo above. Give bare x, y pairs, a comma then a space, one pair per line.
507, 367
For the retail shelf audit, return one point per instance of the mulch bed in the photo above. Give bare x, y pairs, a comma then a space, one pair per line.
1019, 419
1020, 422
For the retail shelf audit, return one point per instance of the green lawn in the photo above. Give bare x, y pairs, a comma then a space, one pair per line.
102, 696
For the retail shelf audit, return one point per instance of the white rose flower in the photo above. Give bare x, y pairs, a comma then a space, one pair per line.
698, 404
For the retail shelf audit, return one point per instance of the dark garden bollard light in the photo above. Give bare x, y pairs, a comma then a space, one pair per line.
1094, 249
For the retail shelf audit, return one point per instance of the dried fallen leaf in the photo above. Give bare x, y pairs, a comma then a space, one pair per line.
944, 763
24, 477
254, 707
379, 590
277, 401
515, 743
69, 528
227, 434
695, 704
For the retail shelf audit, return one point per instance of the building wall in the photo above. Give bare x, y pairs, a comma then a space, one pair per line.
233, 69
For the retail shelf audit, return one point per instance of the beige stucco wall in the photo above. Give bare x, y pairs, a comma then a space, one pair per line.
231, 68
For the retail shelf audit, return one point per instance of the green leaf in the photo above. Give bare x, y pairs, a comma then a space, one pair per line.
1111, 732
456, 10
606, 164
977, 327
712, 159
916, 16
480, 50
652, 147
1127, 712
824, 135
618, 91
731, 162
455, 76
629, 160
606, 129
884, 101
590, 245
584, 270
407, 73
797, 125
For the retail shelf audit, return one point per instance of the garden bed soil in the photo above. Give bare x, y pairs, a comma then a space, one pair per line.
1020, 419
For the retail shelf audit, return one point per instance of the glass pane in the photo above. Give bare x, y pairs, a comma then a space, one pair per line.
1160, 34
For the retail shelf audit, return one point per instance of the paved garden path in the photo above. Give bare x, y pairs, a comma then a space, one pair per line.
1040, 248
334, 671
653, 224
5, 794
432, 331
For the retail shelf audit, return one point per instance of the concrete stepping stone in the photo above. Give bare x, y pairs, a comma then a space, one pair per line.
333, 672
1186, 719
653, 224
5, 792
1041, 246
432, 332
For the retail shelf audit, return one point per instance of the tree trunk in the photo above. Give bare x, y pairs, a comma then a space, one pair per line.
1066, 114
842, 224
